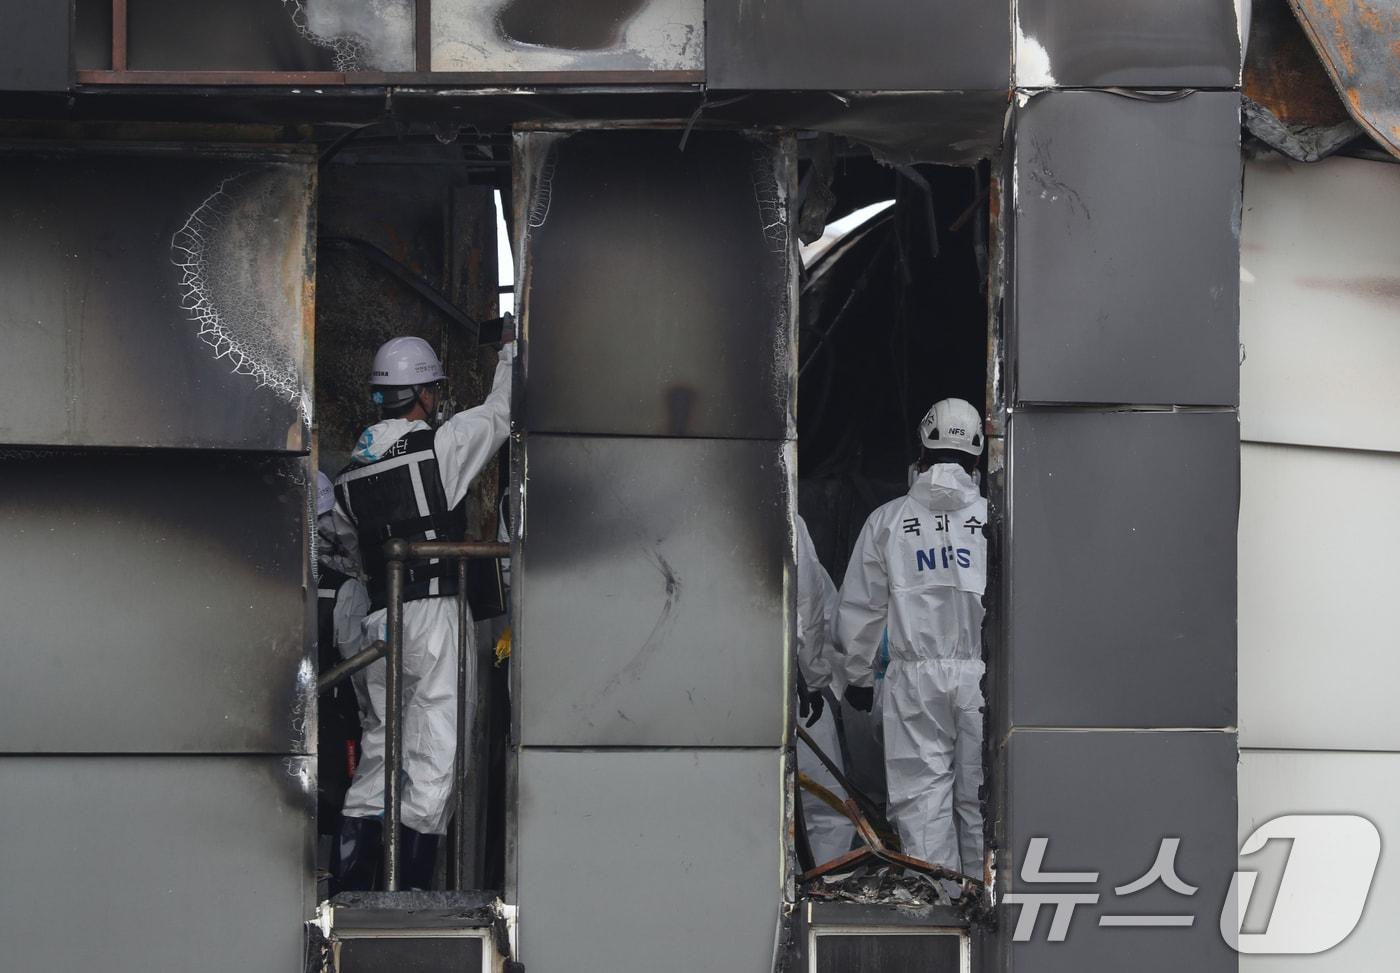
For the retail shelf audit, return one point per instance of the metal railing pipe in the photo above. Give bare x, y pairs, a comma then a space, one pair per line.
419, 550
456, 866
342, 671
396, 553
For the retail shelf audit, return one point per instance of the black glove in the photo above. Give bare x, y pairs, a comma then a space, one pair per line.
810, 702
861, 697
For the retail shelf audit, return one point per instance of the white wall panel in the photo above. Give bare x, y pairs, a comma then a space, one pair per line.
1272, 784
1320, 303
1319, 598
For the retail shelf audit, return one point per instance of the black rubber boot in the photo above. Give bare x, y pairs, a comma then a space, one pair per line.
356, 855
417, 858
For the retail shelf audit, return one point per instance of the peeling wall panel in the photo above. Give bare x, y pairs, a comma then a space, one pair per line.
1330, 597
1141, 43
896, 45
1105, 802
1319, 300
656, 592
565, 36
153, 603
155, 300
669, 273
1122, 569
635, 862
1125, 249
155, 863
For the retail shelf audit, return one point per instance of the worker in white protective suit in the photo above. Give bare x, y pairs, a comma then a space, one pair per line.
829, 832
919, 568
342, 602
408, 478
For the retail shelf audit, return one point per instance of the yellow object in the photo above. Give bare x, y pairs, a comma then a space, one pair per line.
503, 646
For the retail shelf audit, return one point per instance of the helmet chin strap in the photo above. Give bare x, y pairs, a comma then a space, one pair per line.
433, 416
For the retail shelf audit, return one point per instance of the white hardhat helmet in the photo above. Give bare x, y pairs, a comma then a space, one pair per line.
325, 494
952, 424
405, 361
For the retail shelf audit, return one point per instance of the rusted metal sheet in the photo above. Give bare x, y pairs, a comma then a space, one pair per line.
1289, 101
1359, 41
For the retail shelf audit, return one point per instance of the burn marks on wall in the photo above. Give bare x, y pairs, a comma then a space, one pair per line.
266, 35
233, 306
154, 300
685, 308
153, 602
655, 578
558, 35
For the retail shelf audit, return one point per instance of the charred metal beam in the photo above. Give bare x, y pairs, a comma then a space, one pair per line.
488, 332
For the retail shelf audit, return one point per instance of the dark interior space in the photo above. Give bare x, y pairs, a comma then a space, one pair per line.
893, 317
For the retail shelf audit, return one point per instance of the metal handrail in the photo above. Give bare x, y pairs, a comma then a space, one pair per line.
397, 552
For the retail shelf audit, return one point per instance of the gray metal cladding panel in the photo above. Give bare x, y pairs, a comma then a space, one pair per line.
410, 954
1122, 569
1101, 43
135, 864
1104, 802
1125, 249
889, 953
653, 592
34, 46
634, 862
153, 603
662, 276
154, 299
892, 45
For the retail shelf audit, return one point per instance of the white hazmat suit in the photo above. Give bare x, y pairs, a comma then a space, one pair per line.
920, 569
829, 832
464, 444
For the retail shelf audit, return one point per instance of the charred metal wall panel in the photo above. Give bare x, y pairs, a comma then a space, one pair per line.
154, 299
135, 864
1104, 802
655, 595
1122, 570
894, 45
1126, 249
35, 45
638, 861
1113, 669
565, 36
270, 35
666, 271
153, 603
653, 576
1139, 43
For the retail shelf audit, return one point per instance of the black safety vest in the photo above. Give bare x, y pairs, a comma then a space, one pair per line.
401, 495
